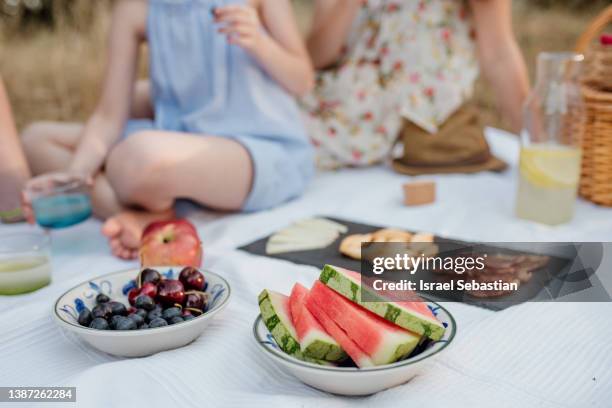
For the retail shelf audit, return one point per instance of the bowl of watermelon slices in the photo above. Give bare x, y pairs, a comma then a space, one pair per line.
330, 339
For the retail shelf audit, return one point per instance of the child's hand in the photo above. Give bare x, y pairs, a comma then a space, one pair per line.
26, 208
42, 184
241, 24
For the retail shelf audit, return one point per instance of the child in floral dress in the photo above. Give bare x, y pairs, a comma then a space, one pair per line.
385, 61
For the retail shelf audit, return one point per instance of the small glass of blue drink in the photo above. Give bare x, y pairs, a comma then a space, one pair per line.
59, 200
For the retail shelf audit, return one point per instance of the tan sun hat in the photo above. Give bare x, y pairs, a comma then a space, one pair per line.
459, 146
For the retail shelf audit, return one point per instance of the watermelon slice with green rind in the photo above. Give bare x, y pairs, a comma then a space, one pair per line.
274, 309
359, 357
276, 315
314, 341
414, 316
384, 342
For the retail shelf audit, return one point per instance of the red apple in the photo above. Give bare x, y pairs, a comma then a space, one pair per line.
170, 243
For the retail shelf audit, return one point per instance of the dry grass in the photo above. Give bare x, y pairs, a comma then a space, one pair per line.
554, 29
55, 74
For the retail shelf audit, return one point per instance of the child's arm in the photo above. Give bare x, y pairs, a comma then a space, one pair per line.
332, 22
105, 125
281, 53
14, 171
500, 58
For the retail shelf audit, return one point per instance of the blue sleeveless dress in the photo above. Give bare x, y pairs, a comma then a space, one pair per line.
203, 85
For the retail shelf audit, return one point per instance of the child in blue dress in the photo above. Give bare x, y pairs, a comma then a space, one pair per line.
220, 127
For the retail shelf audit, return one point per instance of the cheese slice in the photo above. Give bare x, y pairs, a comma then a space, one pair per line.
303, 235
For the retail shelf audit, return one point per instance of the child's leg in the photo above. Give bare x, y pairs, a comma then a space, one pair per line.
154, 168
49, 146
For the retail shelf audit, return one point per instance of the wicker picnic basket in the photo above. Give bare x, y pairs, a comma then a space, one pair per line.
596, 178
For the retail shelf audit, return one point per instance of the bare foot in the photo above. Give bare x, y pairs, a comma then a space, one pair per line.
124, 230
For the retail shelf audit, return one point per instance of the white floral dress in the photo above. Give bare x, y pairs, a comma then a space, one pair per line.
412, 59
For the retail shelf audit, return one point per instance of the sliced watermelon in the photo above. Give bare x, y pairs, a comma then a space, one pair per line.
314, 340
276, 315
414, 316
358, 356
383, 341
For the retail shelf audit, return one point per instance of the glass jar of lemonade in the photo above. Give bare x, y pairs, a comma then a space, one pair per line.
549, 168
24, 262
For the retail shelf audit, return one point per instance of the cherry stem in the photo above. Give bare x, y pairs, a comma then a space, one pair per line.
193, 309
194, 292
140, 279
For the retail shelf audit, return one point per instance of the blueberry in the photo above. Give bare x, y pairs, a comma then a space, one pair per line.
102, 298
136, 318
114, 320
126, 324
143, 326
102, 311
188, 317
85, 317
142, 313
99, 324
176, 319
171, 312
145, 302
154, 314
159, 322
117, 308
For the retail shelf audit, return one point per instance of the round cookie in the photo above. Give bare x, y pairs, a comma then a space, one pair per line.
391, 235
423, 237
351, 245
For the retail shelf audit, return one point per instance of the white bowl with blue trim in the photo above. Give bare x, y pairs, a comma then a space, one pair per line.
136, 343
354, 381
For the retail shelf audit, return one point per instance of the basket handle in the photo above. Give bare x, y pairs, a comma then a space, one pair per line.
597, 25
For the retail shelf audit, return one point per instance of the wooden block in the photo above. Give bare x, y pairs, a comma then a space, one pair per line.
419, 193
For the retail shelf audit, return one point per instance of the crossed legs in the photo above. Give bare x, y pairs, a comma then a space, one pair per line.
151, 169
145, 173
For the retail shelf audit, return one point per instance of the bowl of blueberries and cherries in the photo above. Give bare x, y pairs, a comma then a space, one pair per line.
169, 305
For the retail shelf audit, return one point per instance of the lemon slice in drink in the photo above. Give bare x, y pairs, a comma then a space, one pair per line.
551, 167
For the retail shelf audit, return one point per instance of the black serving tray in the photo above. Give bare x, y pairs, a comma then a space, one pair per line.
536, 289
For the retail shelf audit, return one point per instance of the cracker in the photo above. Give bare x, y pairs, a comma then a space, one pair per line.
351, 245
423, 237
391, 235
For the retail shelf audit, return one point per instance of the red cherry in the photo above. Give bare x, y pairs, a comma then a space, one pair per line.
132, 295
191, 278
195, 300
149, 289
148, 275
170, 292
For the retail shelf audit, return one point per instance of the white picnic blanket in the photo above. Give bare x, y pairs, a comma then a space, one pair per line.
530, 355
